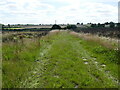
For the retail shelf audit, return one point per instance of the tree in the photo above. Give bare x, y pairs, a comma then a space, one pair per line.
118, 24
3, 27
106, 23
99, 25
81, 23
55, 26
93, 25
71, 27
112, 25
102, 25
9, 25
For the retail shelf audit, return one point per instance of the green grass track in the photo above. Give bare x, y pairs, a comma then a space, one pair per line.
66, 61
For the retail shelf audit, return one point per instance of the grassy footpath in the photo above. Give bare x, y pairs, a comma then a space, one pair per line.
67, 61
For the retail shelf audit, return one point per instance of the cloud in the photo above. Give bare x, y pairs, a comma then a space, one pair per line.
64, 11
89, 12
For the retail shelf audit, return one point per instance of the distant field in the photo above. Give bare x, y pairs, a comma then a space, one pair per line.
13, 28
39, 26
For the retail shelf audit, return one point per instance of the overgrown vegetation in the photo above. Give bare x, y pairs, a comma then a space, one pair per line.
71, 27
18, 60
64, 60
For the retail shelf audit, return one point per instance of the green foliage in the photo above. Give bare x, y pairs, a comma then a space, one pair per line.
93, 25
101, 25
9, 25
110, 55
97, 25
71, 27
56, 27
112, 25
106, 23
118, 25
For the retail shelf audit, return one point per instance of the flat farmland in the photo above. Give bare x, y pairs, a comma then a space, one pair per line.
40, 26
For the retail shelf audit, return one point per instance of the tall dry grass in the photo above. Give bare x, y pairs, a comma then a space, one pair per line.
104, 41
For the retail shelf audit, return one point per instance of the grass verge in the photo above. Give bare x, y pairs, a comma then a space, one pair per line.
18, 60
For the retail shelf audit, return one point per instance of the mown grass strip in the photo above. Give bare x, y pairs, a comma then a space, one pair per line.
65, 67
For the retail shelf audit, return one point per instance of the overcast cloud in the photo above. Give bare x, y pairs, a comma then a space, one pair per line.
64, 11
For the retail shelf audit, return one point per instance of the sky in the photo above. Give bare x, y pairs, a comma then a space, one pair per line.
63, 11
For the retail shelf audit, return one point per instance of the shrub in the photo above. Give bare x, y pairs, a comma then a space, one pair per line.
71, 27
93, 25
118, 24
56, 27
112, 25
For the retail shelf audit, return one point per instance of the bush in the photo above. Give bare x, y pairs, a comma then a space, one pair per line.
56, 27
101, 25
93, 25
118, 24
112, 25
71, 27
